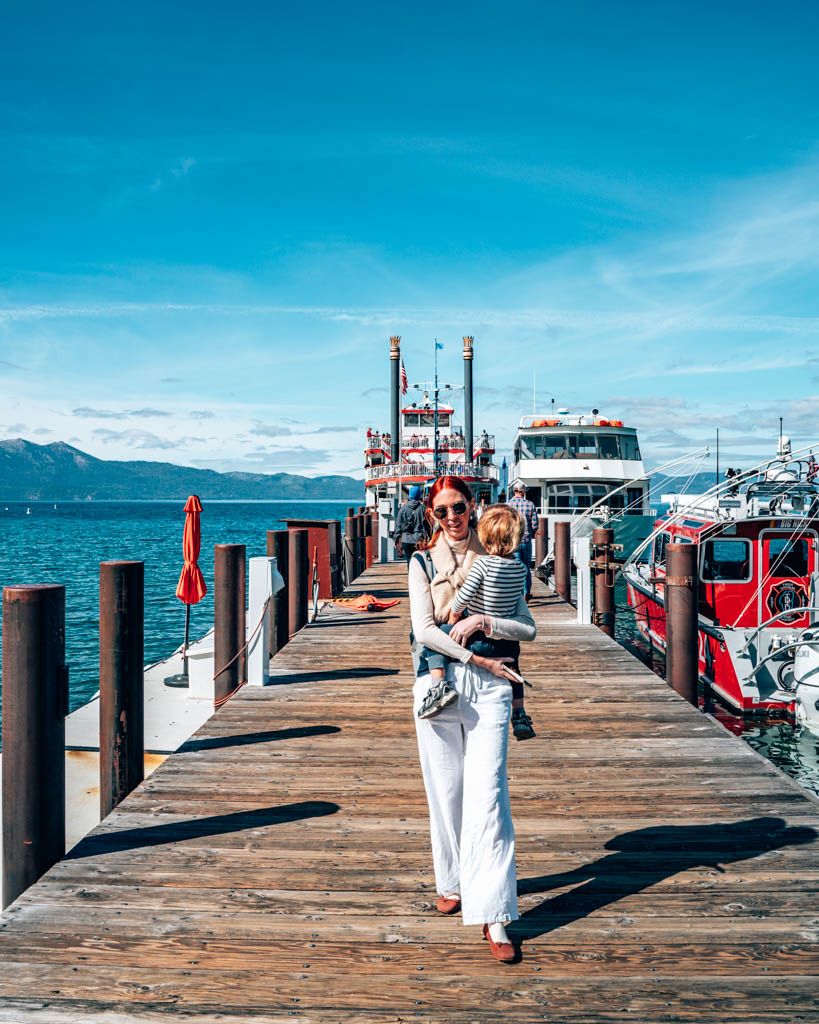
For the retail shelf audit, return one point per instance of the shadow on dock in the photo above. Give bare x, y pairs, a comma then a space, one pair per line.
645, 857
279, 676
268, 736
196, 828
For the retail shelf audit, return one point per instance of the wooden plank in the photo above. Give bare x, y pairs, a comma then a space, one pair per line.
666, 872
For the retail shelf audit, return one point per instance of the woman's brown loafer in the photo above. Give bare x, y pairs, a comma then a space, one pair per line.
448, 905
503, 951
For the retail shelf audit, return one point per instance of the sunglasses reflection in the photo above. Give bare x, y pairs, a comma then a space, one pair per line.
441, 511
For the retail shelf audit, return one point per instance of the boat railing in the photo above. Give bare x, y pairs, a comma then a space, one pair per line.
390, 471
379, 443
423, 442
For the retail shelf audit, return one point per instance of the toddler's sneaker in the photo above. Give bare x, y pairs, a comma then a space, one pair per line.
438, 696
522, 725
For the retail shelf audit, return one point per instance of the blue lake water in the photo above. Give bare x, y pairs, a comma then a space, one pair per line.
44, 543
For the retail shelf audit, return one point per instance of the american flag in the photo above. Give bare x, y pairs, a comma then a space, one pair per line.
404, 381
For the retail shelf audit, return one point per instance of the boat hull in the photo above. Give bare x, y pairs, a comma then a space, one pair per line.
716, 658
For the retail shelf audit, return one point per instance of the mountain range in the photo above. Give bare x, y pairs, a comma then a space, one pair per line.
58, 472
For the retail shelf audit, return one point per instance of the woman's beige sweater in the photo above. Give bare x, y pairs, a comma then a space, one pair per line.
430, 603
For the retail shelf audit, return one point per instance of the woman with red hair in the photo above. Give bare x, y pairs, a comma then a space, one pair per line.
463, 748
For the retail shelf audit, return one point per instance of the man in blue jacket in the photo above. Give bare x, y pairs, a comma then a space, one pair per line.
409, 524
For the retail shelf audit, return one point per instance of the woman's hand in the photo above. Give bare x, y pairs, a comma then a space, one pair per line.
493, 665
463, 630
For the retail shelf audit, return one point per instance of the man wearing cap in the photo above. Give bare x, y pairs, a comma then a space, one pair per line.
409, 524
521, 504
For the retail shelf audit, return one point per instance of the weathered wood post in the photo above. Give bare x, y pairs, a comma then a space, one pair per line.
682, 612
563, 560
35, 703
349, 550
278, 548
337, 559
602, 539
299, 580
541, 540
228, 619
122, 668
363, 525
374, 543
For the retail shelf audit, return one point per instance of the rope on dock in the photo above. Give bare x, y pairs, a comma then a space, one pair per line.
242, 649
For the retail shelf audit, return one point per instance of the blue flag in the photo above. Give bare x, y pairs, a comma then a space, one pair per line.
438, 344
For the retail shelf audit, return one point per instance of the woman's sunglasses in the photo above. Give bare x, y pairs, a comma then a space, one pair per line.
441, 511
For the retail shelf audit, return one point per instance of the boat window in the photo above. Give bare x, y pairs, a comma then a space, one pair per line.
582, 446
410, 419
443, 419
427, 418
787, 558
559, 497
629, 449
634, 500
726, 561
538, 446
582, 497
554, 446
608, 446
660, 542
529, 447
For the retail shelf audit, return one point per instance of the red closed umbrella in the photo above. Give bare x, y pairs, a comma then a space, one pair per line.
191, 587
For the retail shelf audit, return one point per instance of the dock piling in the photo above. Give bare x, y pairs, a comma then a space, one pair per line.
681, 601
299, 580
375, 544
350, 573
563, 560
364, 523
541, 540
603, 575
122, 660
228, 619
35, 703
278, 548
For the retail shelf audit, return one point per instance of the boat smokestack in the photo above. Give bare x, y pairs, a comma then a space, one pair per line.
469, 432
395, 398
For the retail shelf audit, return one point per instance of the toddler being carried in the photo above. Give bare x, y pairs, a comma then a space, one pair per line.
492, 587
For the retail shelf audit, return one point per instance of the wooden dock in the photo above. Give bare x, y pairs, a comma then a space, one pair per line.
278, 868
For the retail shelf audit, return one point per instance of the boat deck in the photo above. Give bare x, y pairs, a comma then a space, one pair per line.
277, 866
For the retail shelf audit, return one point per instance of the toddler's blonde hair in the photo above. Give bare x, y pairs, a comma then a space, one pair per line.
500, 529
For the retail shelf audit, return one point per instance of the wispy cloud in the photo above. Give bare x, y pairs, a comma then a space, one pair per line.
134, 438
85, 412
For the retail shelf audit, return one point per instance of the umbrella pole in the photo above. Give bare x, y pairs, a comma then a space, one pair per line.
181, 679
185, 645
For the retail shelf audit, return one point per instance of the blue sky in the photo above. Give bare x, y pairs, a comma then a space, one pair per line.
214, 215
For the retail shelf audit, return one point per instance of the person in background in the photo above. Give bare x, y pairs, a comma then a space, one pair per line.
520, 503
409, 525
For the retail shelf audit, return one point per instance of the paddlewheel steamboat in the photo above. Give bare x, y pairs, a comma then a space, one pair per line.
424, 441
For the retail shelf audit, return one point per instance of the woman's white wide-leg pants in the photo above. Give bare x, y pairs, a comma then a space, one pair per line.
463, 759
